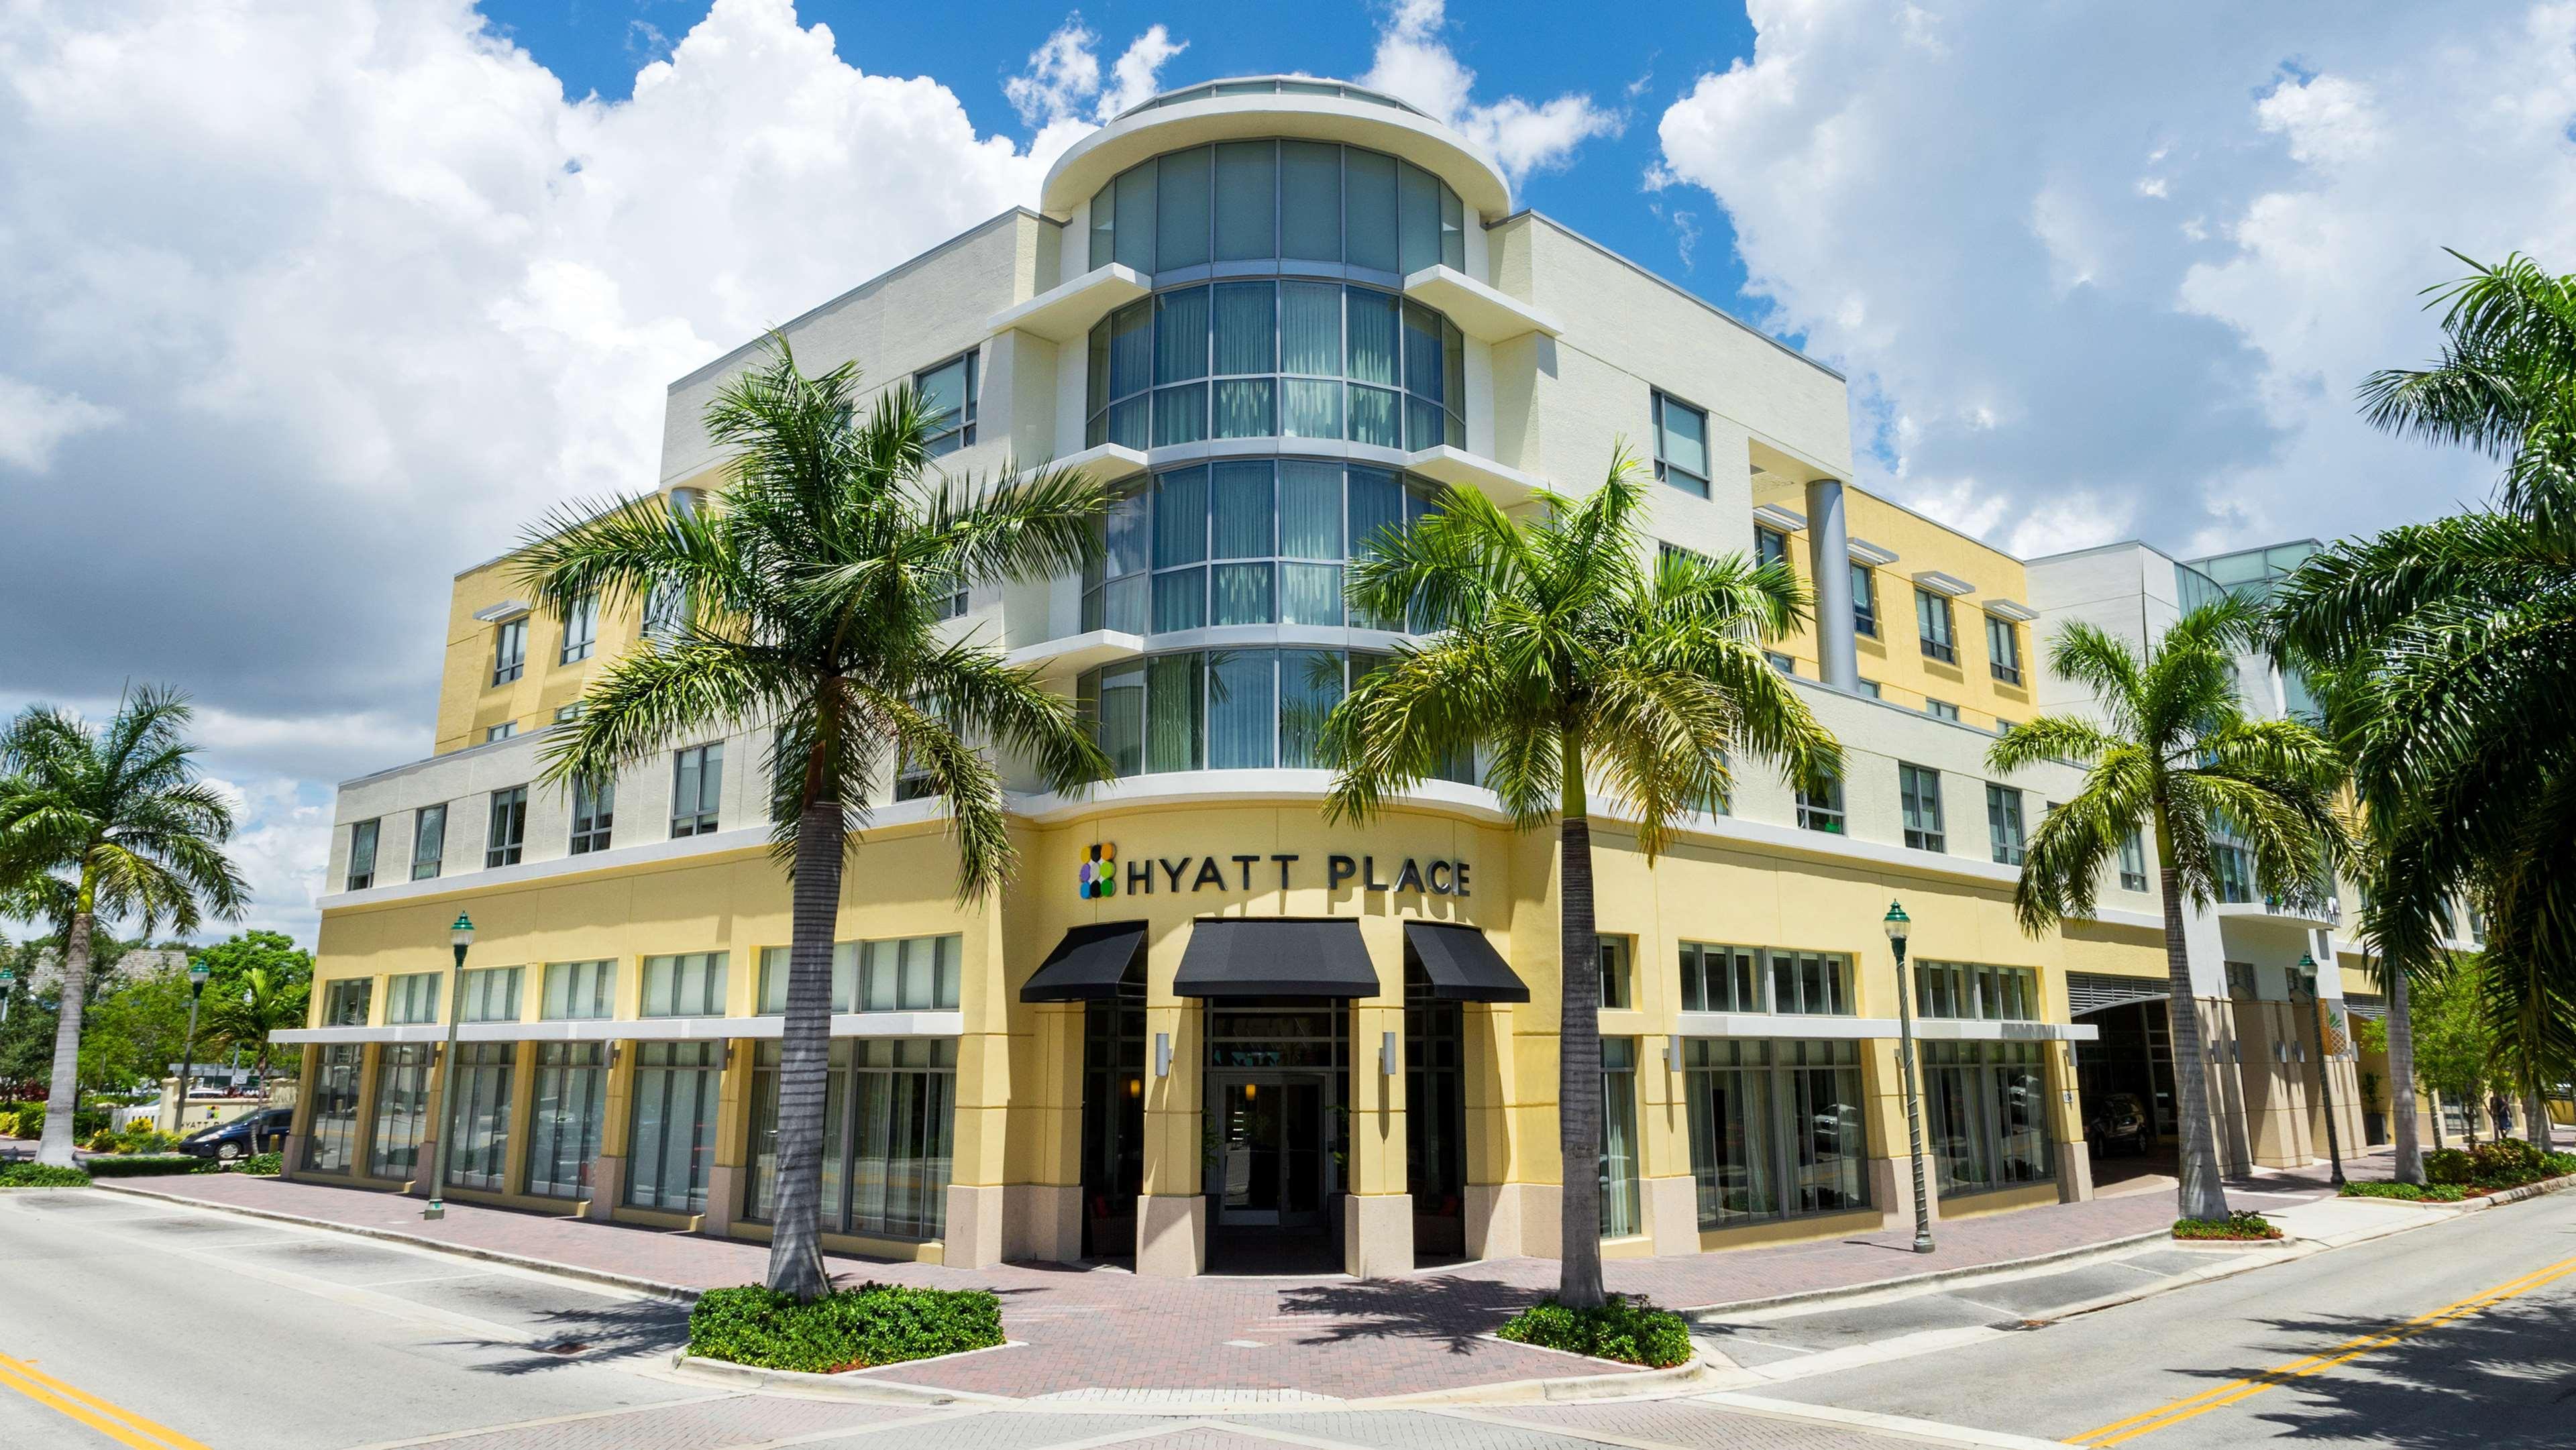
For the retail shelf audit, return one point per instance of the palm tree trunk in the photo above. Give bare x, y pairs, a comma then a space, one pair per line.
2535, 1112
2200, 1194
1578, 1074
2401, 1080
805, 1050
62, 1102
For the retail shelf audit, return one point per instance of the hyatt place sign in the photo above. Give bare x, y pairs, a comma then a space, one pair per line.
1103, 874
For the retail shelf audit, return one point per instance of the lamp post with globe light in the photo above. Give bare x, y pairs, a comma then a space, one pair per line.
1899, 925
2307, 984
461, 936
197, 974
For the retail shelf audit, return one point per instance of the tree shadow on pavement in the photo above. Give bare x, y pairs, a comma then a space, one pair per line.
1452, 1309
589, 1334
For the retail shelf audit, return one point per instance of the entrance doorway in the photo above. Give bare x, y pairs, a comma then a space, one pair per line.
1269, 1171
1273, 1130
1435, 1121
1113, 1116
2125, 1081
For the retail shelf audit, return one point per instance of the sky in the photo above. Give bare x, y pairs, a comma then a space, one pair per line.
307, 304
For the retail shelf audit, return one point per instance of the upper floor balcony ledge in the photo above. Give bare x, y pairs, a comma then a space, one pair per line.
1458, 468
1482, 312
1078, 652
1066, 313
2284, 910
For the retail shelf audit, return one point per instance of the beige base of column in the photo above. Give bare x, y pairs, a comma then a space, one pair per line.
291, 1156
1891, 1187
1171, 1235
1672, 1214
1377, 1235
607, 1186
973, 1237
2074, 1172
1508, 1220
724, 1196
1042, 1221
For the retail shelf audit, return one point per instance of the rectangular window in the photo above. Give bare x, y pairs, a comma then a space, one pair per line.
581, 630
1932, 622
1621, 1214
1720, 979
2003, 823
666, 613
689, 984
1770, 546
948, 395
673, 1139
594, 814
332, 1131
1976, 993
579, 991
1765, 1116
491, 995
888, 1136
1681, 444
2242, 982
1809, 983
2003, 649
909, 974
1781, 662
362, 854
1920, 790
502, 731
510, 650
571, 1101
478, 1115
428, 842
566, 714
509, 832
1864, 600
412, 998
1822, 809
2133, 861
402, 1109
1989, 1111
697, 788
1617, 991
345, 1003
1870, 688
1941, 710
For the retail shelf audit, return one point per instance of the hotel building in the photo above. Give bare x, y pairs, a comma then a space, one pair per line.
1203, 1027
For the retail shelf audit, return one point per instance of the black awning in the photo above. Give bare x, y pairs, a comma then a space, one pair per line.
1234, 956
1462, 965
1088, 964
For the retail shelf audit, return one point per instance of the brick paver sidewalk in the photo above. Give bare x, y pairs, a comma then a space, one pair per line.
1085, 1327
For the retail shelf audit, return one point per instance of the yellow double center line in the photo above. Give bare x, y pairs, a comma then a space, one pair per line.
118, 1424
2166, 1416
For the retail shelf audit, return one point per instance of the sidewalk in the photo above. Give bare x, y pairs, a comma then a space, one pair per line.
1086, 1327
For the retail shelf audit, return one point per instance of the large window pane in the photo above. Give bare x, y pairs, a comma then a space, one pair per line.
1310, 685
674, 1134
1246, 408
1175, 706
1127, 535
1310, 510
1181, 335
1728, 1092
1180, 517
1310, 201
563, 1126
1135, 242
1375, 417
1247, 201
333, 1127
1180, 414
1131, 348
1122, 717
1373, 342
478, 1115
1309, 409
1240, 709
402, 1110
1243, 594
1180, 599
1310, 594
1104, 226
1247, 327
1310, 328
1453, 231
1368, 209
1241, 510
1417, 219
1181, 232
1621, 1215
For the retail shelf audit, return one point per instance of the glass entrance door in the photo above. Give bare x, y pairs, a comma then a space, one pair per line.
1268, 1168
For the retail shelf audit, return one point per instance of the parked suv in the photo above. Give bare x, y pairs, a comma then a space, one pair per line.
232, 1140
2121, 1119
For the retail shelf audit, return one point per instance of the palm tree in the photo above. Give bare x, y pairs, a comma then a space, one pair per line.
273, 1003
2458, 639
815, 589
1571, 663
2174, 755
109, 824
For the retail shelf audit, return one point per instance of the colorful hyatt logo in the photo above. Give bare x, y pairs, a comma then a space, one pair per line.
1100, 871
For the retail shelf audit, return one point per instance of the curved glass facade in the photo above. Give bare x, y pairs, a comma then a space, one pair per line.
1288, 206
1245, 541
1276, 360
1224, 709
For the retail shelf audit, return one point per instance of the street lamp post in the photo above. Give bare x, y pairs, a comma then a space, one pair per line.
197, 975
2325, 1095
1898, 924
460, 936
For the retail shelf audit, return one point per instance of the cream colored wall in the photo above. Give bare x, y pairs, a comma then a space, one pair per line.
469, 703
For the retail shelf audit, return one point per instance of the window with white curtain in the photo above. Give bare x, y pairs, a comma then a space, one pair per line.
579, 991
491, 995
672, 1141
402, 1109
909, 974
888, 1133
571, 1100
1622, 1212
478, 1118
1776, 1128
688, 984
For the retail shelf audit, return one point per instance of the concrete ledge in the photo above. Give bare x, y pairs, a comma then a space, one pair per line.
1613, 1381
852, 1385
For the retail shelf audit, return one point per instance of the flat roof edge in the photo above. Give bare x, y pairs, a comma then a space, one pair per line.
1642, 270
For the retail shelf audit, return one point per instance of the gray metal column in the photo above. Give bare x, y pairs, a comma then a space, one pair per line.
1830, 560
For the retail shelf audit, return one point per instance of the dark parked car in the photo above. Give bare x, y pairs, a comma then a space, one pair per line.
228, 1141
2121, 1119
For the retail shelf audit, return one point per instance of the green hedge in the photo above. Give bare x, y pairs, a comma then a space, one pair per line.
41, 1175
147, 1166
2437, 1193
873, 1324
261, 1165
1630, 1330
2241, 1224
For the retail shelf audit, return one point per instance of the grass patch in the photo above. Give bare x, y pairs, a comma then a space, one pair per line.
2410, 1192
41, 1175
861, 1328
2241, 1224
1630, 1330
148, 1165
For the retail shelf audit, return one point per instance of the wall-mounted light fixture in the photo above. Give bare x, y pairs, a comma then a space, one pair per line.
1673, 1052
1386, 1053
1162, 1054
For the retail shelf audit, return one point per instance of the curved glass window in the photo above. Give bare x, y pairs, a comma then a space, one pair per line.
1226, 709
1245, 541
1276, 360
1293, 206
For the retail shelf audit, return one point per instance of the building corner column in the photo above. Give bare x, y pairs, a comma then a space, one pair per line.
1829, 540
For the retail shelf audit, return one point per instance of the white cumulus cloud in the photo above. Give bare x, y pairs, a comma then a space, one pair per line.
1415, 64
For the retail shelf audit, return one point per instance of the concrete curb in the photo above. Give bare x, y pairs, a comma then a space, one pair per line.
852, 1387
650, 1288
1902, 1285
1556, 1389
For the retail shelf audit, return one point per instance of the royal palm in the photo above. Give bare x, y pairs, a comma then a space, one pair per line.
1573, 664
814, 590
108, 825
2172, 755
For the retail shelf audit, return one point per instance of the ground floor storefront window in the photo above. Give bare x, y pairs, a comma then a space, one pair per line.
888, 1136
674, 1136
563, 1129
1988, 1106
478, 1117
1775, 1128
402, 1110
333, 1127
1622, 1213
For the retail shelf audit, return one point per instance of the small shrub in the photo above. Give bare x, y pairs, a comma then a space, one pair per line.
2412, 1193
873, 1324
41, 1175
261, 1165
2450, 1165
2241, 1224
8, 1122
1630, 1330
148, 1165
2507, 1163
